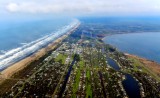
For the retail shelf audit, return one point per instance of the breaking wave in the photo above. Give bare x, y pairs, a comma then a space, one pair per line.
27, 49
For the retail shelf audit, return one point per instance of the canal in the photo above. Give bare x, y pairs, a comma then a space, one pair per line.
66, 78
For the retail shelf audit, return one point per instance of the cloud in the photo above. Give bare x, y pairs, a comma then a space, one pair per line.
31, 7
12, 7
85, 6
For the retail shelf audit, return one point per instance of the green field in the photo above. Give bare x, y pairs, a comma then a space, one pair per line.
88, 85
61, 58
77, 79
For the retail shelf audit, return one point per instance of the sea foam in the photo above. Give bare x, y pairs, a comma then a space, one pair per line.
19, 53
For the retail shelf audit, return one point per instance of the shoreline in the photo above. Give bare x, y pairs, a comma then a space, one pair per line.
152, 66
106, 35
103, 39
12, 69
147, 64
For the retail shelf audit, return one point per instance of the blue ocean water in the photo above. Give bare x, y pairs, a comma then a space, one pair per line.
22, 38
14, 34
145, 45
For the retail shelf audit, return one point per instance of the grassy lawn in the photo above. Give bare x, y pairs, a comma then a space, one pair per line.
76, 84
89, 92
88, 85
77, 79
88, 75
81, 63
61, 57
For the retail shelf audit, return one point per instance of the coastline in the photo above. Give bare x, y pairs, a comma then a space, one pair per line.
106, 35
150, 65
140, 56
12, 69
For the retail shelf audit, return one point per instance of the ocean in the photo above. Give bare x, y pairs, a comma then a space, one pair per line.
145, 44
22, 38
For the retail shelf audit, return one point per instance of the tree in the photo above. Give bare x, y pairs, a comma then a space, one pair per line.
60, 61
77, 57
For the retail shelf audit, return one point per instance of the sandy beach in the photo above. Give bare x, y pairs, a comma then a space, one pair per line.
8, 72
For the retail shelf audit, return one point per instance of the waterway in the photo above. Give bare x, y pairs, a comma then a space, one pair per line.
130, 84
66, 78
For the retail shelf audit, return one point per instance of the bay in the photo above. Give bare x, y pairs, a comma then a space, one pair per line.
146, 45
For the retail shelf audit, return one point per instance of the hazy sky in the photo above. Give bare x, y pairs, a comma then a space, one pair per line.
82, 7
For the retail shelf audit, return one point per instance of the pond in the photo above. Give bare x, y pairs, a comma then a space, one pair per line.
130, 84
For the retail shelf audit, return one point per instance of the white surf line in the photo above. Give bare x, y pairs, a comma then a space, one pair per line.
17, 54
